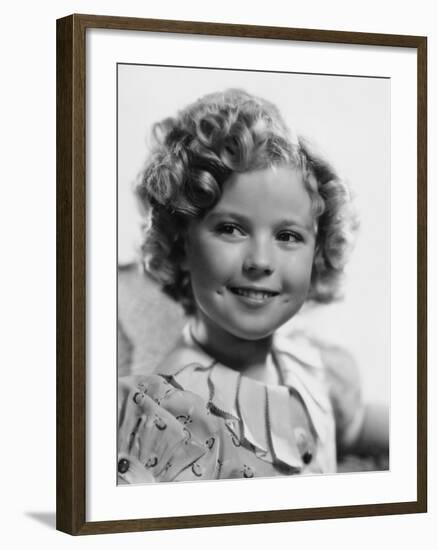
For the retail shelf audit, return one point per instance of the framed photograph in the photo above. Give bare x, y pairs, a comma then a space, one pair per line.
241, 274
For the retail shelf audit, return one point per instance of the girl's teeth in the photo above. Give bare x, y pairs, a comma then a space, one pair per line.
252, 293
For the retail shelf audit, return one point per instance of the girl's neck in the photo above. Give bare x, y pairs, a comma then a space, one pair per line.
249, 357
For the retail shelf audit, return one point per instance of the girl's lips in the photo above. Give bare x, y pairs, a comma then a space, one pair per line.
253, 294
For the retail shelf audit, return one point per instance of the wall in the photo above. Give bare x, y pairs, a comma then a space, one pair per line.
28, 291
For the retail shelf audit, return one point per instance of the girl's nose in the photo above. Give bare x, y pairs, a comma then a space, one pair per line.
259, 261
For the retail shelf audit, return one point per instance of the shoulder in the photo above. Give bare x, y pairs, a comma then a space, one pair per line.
179, 358
340, 366
331, 360
301, 347
184, 354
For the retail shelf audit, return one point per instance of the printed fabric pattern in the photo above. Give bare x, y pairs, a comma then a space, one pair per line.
207, 421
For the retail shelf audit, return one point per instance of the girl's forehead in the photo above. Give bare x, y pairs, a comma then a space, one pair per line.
277, 182
275, 192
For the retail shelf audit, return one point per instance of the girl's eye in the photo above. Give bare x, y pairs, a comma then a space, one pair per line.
289, 237
230, 229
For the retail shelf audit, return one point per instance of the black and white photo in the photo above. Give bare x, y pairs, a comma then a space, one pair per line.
253, 326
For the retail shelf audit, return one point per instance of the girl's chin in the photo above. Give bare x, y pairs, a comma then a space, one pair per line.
250, 333
243, 327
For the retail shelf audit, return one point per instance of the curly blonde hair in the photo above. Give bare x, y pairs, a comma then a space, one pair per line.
194, 153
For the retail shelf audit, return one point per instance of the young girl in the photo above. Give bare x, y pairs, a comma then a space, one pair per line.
244, 226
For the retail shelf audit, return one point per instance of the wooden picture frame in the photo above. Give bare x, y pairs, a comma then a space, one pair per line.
72, 266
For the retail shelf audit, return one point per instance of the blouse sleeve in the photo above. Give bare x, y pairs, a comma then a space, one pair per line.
345, 392
154, 443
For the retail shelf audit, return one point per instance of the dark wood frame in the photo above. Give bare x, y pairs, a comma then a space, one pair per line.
71, 270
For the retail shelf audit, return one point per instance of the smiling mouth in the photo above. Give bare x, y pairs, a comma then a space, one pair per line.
258, 295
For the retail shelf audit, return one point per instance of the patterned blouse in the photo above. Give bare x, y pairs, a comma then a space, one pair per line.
206, 421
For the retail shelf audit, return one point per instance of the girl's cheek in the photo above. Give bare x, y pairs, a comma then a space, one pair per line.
220, 266
298, 273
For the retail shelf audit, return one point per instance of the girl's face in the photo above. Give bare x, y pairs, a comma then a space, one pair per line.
250, 257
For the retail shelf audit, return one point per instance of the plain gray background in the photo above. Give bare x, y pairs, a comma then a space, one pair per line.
28, 290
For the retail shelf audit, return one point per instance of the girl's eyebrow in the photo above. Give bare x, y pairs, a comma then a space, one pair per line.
288, 222
227, 214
